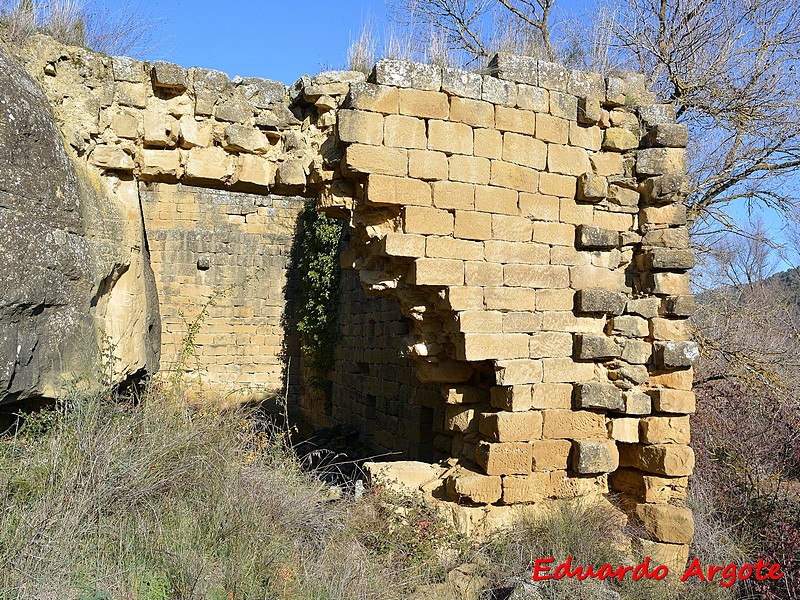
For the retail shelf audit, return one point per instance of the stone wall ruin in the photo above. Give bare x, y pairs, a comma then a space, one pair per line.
520, 240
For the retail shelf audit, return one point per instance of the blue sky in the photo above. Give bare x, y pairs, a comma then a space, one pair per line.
275, 39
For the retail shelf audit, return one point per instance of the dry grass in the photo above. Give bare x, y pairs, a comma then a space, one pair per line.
125, 29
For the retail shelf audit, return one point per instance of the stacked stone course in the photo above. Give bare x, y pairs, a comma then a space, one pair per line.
530, 223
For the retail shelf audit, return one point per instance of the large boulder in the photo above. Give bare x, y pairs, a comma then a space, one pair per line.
77, 296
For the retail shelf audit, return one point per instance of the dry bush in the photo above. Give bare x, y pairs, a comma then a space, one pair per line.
126, 29
363, 52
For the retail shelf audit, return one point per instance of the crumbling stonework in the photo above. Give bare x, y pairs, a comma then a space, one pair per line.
528, 225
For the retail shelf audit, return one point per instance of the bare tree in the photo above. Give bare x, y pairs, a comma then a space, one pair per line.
731, 68
476, 29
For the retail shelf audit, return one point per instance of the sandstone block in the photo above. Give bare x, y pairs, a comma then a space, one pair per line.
379, 160
111, 157
127, 69
565, 370
567, 160
498, 91
592, 188
488, 143
404, 74
594, 300
590, 236
195, 133
673, 556
665, 188
460, 418
670, 329
400, 131
451, 138
650, 488
630, 326
241, 138
475, 113
552, 129
593, 347
666, 523
492, 199
371, 97
450, 194
514, 119
637, 352
665, 430
437, 272
551, 344
656, 114
256, 170
464, 298
470, 169
291, 172
644, 307
539, 207
404, 245
566, 486
456, 82
555, 299
572, 424
383, 189
602, 396
515, 372
675, 354
427, 165
511, 426
670, 135
662, 459
515, 177
483, 346
512, 67
554, 234
234, 110
423, 104
130, 94
445, 247
211, 164
158, 164
670, 214
524, 150
679, 306
519, 489
522, 322
586, 277
358, 126
553, 184
536, 276
590, 138
672, 401
667, 284
607, 164
594, 456
675, 380
169, 77
551, 455
515, 398
636, 402
427, 221
160, 129
483, 274
473, 225
660, 161
670, 259
667, 238
510, 458
613, 220
624, 430
478, 488
502, 298
530, 97
618, 139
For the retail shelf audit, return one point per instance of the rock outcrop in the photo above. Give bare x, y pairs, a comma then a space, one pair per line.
75, 285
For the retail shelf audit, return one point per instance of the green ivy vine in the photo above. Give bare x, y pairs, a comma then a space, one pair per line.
318, 302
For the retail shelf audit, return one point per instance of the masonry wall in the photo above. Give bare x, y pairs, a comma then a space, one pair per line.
520, 242
530, 226
224, 260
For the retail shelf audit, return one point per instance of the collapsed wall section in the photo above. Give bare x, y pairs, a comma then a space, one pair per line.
530, 224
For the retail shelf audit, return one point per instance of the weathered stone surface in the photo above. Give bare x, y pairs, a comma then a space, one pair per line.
511, 426
675, 354
591, 347
672, 401
600, 301
670, 135
603, 396
671, 524
402, 475
667, 259
664, 459
590, 236
594, 456
510, 458
74, 268
476, 487
169, 77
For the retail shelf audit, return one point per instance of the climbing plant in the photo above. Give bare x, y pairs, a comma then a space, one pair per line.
318, 303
